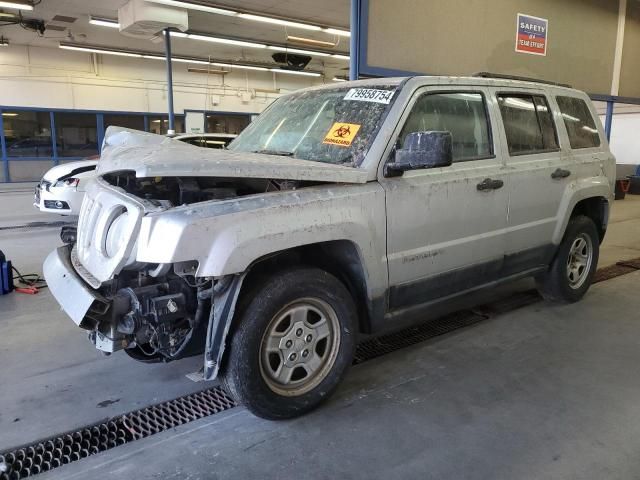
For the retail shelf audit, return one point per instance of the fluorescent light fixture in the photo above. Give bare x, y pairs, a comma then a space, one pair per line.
196, 6
9, 114
215, 142
16, 5
103, 22
278, 21
338, 79
295, 72
176, 59
297, 50
4, 43
152, 56
341, 57
227, 41
97, 50
310, 41
244, 67
336, 31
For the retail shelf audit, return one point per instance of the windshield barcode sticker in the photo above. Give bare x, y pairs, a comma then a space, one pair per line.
369, 95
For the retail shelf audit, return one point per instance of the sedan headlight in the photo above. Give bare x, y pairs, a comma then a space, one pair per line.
115, 239
68, 182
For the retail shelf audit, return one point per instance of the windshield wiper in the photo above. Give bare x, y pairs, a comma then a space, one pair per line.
283, 153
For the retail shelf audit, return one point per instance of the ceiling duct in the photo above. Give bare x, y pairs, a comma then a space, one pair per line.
141, 19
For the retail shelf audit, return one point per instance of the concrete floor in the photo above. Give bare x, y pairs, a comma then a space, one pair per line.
544, 392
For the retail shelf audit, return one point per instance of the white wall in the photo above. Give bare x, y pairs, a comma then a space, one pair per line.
625, 138
55, 78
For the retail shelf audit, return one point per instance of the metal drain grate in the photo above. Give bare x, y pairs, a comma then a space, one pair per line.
620, 268
66, 448
56, 451
379, 346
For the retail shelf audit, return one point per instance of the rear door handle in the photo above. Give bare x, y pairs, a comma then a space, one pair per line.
489, 184
560, 173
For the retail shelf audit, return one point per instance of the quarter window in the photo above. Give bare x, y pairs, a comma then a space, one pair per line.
581, 127
464, 115
528, 124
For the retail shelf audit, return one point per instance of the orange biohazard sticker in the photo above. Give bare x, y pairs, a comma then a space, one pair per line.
342, 134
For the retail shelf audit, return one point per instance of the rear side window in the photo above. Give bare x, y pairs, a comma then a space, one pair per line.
464, 115
528, 124
581, 127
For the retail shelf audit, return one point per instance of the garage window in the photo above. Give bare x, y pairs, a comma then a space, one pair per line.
464, 115
233, 124
528, 124
27, 134
76, 134
159, 124
135, 122
581, 127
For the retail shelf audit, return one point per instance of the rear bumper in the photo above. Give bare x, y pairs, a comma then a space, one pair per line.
72, 293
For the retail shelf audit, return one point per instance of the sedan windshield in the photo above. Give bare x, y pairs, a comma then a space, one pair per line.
334, 125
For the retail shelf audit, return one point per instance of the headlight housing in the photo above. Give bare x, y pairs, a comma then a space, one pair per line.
115, 239
67, 182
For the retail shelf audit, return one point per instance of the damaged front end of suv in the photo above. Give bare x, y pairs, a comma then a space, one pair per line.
155, 265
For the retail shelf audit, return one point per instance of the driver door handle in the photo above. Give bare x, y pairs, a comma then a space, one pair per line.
489, 184
560, 173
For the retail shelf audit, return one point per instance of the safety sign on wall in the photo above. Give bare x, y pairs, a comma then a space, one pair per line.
531, 34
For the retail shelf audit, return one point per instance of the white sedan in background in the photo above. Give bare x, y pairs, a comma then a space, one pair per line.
62, 188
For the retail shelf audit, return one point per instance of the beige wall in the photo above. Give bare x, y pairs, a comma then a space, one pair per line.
630, 71
459, 37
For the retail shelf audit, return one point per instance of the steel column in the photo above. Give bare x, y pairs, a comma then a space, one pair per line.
54, 139
167, 47
100, 130
608, 119
354, 48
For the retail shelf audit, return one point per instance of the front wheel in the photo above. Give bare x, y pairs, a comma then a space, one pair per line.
293, 343
571, 272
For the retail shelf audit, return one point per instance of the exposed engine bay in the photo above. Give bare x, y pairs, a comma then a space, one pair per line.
187, 190
152, 313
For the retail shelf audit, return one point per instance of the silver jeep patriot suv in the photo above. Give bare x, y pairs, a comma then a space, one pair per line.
342, 210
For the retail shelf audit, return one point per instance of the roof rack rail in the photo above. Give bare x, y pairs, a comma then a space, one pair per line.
515, 77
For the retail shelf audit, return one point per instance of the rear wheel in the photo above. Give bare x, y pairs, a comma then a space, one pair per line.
293, 343
571, 273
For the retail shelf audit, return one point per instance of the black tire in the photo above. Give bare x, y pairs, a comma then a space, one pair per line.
555, 285
249, 377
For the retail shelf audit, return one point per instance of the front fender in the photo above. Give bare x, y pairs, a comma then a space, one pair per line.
226, 237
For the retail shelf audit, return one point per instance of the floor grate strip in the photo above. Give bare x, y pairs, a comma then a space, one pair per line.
53, 452
56, 451
620, 268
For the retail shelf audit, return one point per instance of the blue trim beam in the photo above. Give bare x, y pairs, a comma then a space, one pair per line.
608, 120
354, 50
3, 151
100, 130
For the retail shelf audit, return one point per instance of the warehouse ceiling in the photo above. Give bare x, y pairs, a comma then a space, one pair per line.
76, 28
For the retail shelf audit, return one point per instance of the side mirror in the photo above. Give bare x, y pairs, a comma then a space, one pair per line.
422, 150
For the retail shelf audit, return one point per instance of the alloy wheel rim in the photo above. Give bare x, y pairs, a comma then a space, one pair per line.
579, 261
299, 347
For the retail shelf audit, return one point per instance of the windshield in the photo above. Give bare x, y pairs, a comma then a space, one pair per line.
334, 125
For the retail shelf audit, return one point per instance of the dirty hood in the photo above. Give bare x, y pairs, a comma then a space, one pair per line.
151, 155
